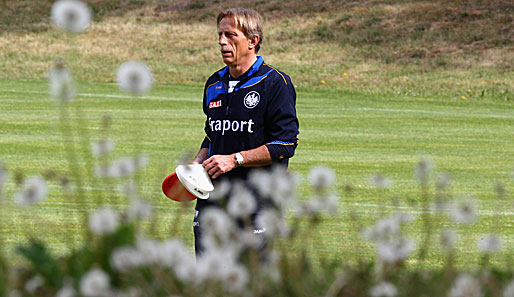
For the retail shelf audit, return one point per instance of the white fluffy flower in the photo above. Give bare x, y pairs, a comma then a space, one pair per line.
172, 252
423, 170
322, 177
34, 190
66, 291
273, 223
448, 238
463, 211
71, 15
283, 187
125, 258
134, 77
34, 283
149, 250
465, 286
122, 167
379, 181
386, 228
62, 86
221, 190
187, 271
489, 243
102, 147
394, 251
95, 283
215, 220
214, 264
235, 278
241, 203
103, 221
262, 180
508, 291
444, 181
139, 209
384, 289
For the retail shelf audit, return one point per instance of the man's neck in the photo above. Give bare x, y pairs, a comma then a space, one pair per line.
238, 70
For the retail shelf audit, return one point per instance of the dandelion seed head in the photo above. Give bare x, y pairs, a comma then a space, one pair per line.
379, 181
139, 209
465, 286
448, 238
62, 85
489, 243
274, 224
71, 15
149, 250
387, 227
172, 252
94, 283
235, 278
384, 289
215, 220
241, 203
134, 77
103, 221
125, 258
283, 187
221, 190
262, 181
423, 169
102, 147
214, 264
66, 291
395, 251
444, 181
34, 190
34, 283
322, 177
499, 188
463, 211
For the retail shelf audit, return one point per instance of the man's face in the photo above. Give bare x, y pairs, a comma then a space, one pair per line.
234, 45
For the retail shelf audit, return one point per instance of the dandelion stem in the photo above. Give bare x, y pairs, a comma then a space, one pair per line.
425, 197
85, 143
69, 147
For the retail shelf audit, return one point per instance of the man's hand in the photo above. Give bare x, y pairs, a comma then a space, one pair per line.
219, 164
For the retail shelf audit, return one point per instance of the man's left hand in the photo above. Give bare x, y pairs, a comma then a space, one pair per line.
219, 164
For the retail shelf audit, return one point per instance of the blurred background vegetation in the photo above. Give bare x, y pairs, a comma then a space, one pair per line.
419, 48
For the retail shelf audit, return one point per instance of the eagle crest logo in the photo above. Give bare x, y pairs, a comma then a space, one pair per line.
252, 99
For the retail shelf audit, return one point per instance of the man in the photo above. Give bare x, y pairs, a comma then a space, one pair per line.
250, 108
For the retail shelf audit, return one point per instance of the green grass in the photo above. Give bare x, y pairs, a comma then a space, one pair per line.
357, 134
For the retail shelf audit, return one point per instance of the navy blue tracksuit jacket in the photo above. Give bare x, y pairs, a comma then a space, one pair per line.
259, 111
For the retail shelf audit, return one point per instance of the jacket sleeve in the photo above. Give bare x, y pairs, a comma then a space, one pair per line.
281, 119
206, 143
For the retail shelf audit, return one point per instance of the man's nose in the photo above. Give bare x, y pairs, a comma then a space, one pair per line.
222, 39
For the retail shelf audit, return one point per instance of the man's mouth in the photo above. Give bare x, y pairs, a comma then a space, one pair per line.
226, 53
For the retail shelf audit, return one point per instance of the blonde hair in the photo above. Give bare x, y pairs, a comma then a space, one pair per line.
247, 20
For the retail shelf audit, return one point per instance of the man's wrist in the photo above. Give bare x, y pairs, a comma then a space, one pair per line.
239, 159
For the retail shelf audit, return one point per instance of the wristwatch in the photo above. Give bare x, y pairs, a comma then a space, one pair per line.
239, 159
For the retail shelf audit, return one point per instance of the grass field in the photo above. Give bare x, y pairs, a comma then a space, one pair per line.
356, 134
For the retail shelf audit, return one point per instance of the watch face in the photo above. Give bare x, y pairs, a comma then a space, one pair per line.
239, 159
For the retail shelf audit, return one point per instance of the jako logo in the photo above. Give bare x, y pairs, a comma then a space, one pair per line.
252, 99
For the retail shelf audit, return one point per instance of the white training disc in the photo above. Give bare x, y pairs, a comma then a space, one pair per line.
195, 179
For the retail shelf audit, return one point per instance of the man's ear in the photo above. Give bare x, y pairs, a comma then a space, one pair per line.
253, 42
